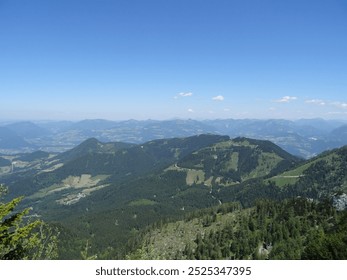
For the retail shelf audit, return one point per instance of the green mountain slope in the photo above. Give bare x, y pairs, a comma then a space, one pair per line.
107, 193
117, 161
320, 176
234, 161
293, 229
323, 177
92, 146
135, 187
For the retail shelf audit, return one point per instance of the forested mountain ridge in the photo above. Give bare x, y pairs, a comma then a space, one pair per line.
234, 161
119, 161
207, 161
107, 193
321, 176
92, 146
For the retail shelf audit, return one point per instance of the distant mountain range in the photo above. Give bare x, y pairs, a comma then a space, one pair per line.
10, 140
304, 138
108, 193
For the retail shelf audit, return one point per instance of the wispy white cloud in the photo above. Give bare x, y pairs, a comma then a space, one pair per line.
316, 101
286, 99
218, 98
190, 110
342, 105
183, 94
336, 104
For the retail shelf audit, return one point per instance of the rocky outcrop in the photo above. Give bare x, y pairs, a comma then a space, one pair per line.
340, 202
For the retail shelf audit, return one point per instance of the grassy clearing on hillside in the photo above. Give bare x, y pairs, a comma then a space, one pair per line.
266, 163
282, 181
52, 168
83, 182
195, 177
233, 163
292, 176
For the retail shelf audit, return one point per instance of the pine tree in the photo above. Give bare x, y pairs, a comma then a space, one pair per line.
21, 239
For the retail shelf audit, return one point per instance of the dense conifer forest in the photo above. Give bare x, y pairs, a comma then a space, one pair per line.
291, 229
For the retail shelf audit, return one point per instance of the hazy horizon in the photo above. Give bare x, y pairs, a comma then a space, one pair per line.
38, 121
161, 60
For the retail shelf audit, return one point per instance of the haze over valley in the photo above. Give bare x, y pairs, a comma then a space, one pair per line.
304, 138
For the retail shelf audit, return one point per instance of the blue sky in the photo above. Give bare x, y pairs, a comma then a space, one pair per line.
136, 59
